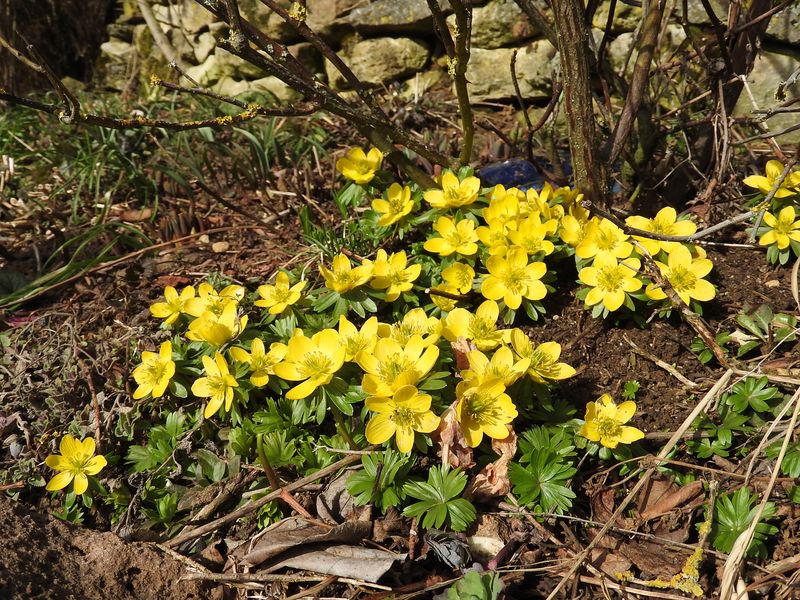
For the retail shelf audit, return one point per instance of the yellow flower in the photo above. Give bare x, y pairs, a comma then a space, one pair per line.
479, 327
313, 361
281, 295
610, 281
391, 366
76, 461
356, 340
485, 409
217, 385
261, 363
783, 229
444, 303
343, 277
685, 276
155, 372
455, 237
494, 235
217, 329
459, 276
503, 366
392, 273
543, 358
772, 171
663, 223
530, 236
454, 193
512, 278
401, 415
542, 201
503, 206
604, 238
414, 322
397, 205
360, 167
175, 304
575, 225
605, 422
208, 300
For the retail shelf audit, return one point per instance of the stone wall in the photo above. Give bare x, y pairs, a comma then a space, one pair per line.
385, 41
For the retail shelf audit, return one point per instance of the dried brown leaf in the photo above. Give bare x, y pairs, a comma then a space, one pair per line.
453, 448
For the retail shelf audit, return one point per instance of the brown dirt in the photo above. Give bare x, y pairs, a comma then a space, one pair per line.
42, 557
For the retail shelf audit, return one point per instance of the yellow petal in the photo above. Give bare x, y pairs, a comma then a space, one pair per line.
59, 481
95, 465
81, 483
630, 434
379, 429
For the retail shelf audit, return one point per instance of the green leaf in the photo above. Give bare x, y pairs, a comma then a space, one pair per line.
733, 514
439, 501
380, 481
476, 586
791, 460
542, 483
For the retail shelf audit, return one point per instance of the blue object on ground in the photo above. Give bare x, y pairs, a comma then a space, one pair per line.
515, 172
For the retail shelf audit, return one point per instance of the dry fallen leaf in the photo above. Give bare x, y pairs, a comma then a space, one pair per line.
492, 481
461, 348
453, 448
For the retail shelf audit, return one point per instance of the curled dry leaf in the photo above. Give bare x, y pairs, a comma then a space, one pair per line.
453, 448
461, 348
492, 481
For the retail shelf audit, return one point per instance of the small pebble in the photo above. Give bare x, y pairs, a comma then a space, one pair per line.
220, 247
773, 283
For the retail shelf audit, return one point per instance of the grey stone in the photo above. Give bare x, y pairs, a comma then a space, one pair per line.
499, 23
203, 46
698, 15
115, 64
626, 17
273, 87
413, 89
769, 70
389, 16
620, 47
785, 26
195, 18
222, 64
380, 60
489, 72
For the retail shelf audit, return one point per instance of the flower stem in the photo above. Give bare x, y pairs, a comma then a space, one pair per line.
341, 428
274, 484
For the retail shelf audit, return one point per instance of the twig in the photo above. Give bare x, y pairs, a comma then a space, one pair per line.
699, 408
693, 319
256, 504
159, 37
539, 20
666, 366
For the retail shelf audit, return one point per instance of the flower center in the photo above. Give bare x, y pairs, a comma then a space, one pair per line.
514, 280
482, 409
610, 279
607, 240
480, 328
608, 428
314, 364
218, 385
155, 370
404, 416
682, 279
393, 366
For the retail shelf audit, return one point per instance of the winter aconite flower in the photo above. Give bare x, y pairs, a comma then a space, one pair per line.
530, 235
393, 274
397, 205
543, 358
764, 183
605, 422
604, 238
217, 385
360, 167
414, 322
782, 229
281, 295
610, 281
76, 461
485, 409
342, 277
480, 327
312, 361
458, 237
401, 415
174, 304
217, 329
155, 372
391, 366
685, 275
503, 366
664, 223
260, 362
459, 276
356, 340
454, 193
209, 300
511, 278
